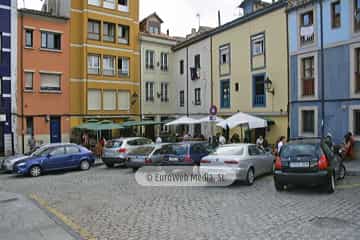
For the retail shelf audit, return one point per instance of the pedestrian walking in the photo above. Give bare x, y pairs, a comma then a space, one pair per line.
280, 144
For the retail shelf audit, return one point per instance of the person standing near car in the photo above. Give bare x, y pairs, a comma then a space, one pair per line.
32, 142
260, 142
280, 144
158, 140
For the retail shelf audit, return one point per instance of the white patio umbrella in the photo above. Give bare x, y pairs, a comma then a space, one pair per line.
182, 121
240, 119
210, 119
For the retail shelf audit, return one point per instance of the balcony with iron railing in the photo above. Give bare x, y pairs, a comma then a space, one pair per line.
259, 101
308, 87
307, 35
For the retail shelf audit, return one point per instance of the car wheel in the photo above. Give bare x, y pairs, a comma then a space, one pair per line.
35, 171
85, 165
279, 187
331, 183
109, 165
250, 177
342, 172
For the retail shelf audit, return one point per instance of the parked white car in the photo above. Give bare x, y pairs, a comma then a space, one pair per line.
242, 162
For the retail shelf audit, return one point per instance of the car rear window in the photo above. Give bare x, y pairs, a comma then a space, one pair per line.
229, 151
142, 151
113, 144
180, 149
297, 150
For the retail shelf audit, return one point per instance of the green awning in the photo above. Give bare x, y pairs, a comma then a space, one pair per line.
98, 126
140, 123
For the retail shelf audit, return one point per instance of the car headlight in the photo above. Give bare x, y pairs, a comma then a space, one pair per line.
21, 164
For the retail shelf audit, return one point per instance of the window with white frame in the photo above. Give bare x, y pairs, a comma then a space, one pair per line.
308, 76
164, 62
94, 100
93, 30
258, 45
29, 38
356, 15
197, 96
123, 5
149, 59
50, 40
50, 82
94, 64
109, 66
149, 91
123, 34
94, 2
29, 81
109, 32
124, 100
308, 122
307, 30
225, 55
164, 92
109, 100
109, 4
357, 70
123, 66
356, 122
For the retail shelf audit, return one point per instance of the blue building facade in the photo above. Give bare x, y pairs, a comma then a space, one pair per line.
8, 25
324, 68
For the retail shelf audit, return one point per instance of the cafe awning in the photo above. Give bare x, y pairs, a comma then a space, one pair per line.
93, 125
140, 123
182, 121
241, 119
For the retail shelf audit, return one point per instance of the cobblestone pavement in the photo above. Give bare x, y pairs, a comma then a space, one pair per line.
111, 205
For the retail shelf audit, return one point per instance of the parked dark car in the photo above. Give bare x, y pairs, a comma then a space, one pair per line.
55, 157
308, 162
185, 153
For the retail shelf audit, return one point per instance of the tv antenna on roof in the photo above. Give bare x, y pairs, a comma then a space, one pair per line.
198, 16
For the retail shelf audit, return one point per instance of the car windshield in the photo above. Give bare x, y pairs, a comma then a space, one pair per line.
113, 144
180, 149
42, 152
32, 151
297, 150
228, 151
142, 151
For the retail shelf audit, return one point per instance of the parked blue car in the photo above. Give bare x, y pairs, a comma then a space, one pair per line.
55, 157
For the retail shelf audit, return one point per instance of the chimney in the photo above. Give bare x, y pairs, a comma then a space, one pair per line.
168, 32
219, 18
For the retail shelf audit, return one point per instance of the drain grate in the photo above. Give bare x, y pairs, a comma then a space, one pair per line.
9, 200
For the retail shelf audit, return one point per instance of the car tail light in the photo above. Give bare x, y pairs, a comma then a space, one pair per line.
205, 161
231, 162
278, 164
148, 161
122, 150
323, 163
188, 158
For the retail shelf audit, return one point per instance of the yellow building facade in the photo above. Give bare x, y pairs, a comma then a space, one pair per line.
246, 53
105, 58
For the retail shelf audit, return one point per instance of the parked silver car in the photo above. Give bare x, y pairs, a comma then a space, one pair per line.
145, 155
116, 151
8, 163
243, 162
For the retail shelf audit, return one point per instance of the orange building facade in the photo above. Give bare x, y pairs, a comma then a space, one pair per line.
43, 78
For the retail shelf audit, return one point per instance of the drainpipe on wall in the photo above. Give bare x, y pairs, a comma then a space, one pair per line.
187, 81
322, 70
22, 83
288, 75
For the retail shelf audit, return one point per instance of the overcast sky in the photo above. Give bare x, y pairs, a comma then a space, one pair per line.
179, 16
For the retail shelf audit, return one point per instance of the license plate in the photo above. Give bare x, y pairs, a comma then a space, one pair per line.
299, 164
172, 159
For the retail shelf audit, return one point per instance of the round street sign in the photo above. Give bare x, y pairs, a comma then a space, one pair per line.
213, 110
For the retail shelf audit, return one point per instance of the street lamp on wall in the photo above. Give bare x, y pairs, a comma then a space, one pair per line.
268, 86
134, 98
